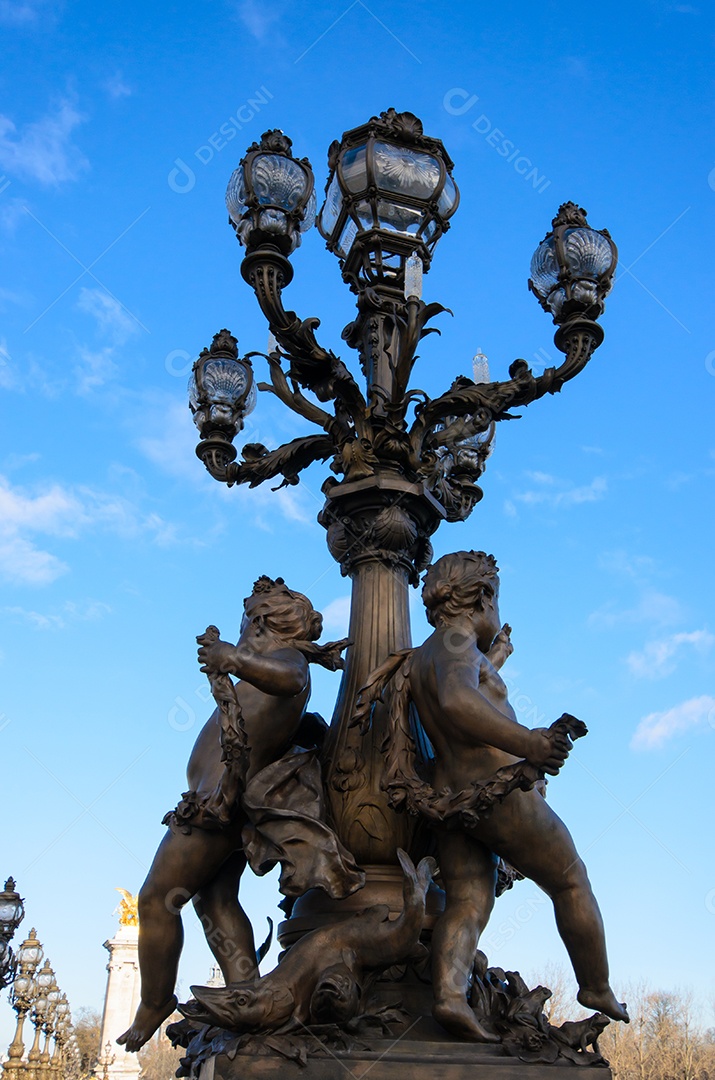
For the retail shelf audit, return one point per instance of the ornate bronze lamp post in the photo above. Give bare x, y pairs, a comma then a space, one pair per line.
12, 912
48, 1027
44, 983
22, 996
61, 1034
403, 462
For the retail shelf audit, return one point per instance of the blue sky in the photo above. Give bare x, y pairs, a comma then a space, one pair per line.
119, 128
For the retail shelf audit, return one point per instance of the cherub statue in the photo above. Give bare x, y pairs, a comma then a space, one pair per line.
487, 771
245, 756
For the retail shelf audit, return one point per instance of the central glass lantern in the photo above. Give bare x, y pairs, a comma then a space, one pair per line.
389, 196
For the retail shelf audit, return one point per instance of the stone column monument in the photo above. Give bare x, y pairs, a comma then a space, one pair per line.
122, 996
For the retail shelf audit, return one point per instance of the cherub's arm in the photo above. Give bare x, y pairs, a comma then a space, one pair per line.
473, 718
502, 647
281, 672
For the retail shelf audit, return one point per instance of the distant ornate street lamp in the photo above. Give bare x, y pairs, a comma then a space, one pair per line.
62, 1029
48, 1026
44, 983
12, 912
403, 462
22, 995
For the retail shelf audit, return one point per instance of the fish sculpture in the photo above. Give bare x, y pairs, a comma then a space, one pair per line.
319, 980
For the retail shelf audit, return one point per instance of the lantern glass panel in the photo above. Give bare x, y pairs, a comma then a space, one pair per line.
224, 380
30, 954
278, 181
308, 219
346, 238
331, 208
236, 195
401, 219
365, 215
544, 267
9, 910
408, 172
21, 985
588, 252
354, 169
429, 230
448, 196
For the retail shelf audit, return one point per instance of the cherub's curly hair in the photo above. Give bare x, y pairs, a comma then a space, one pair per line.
458, 582
286, 613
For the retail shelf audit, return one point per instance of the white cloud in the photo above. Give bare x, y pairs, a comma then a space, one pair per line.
24, 13
89, 611
63, 512
560, 493
43, 150
12, 212
257, 16
659, 727
172, 447
336, 615
657, 658
116, 86
624, 564
113, 320
95, 367
654, 607
21, 561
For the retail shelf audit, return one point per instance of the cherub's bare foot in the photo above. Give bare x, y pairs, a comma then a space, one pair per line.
604, 1001
146, 1022
456, 1016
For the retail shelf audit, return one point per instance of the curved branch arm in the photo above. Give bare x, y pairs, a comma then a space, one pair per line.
320, 370
491, 401
291, 396
260, 464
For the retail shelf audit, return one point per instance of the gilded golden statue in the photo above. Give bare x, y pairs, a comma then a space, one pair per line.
127, 909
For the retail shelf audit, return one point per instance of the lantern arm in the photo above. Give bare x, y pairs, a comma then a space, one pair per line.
314, 367
291, 396
578, 338
260, 464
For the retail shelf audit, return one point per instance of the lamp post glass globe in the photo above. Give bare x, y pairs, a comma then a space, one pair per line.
271, 197
222, 391
45, 978
389, 195
572, 268
30, 952
12, 910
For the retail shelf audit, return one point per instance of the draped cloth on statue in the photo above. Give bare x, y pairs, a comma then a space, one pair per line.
285, 806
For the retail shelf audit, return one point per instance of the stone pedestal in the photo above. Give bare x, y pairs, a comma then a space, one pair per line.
409, 1045
403, 1064
120, 1004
